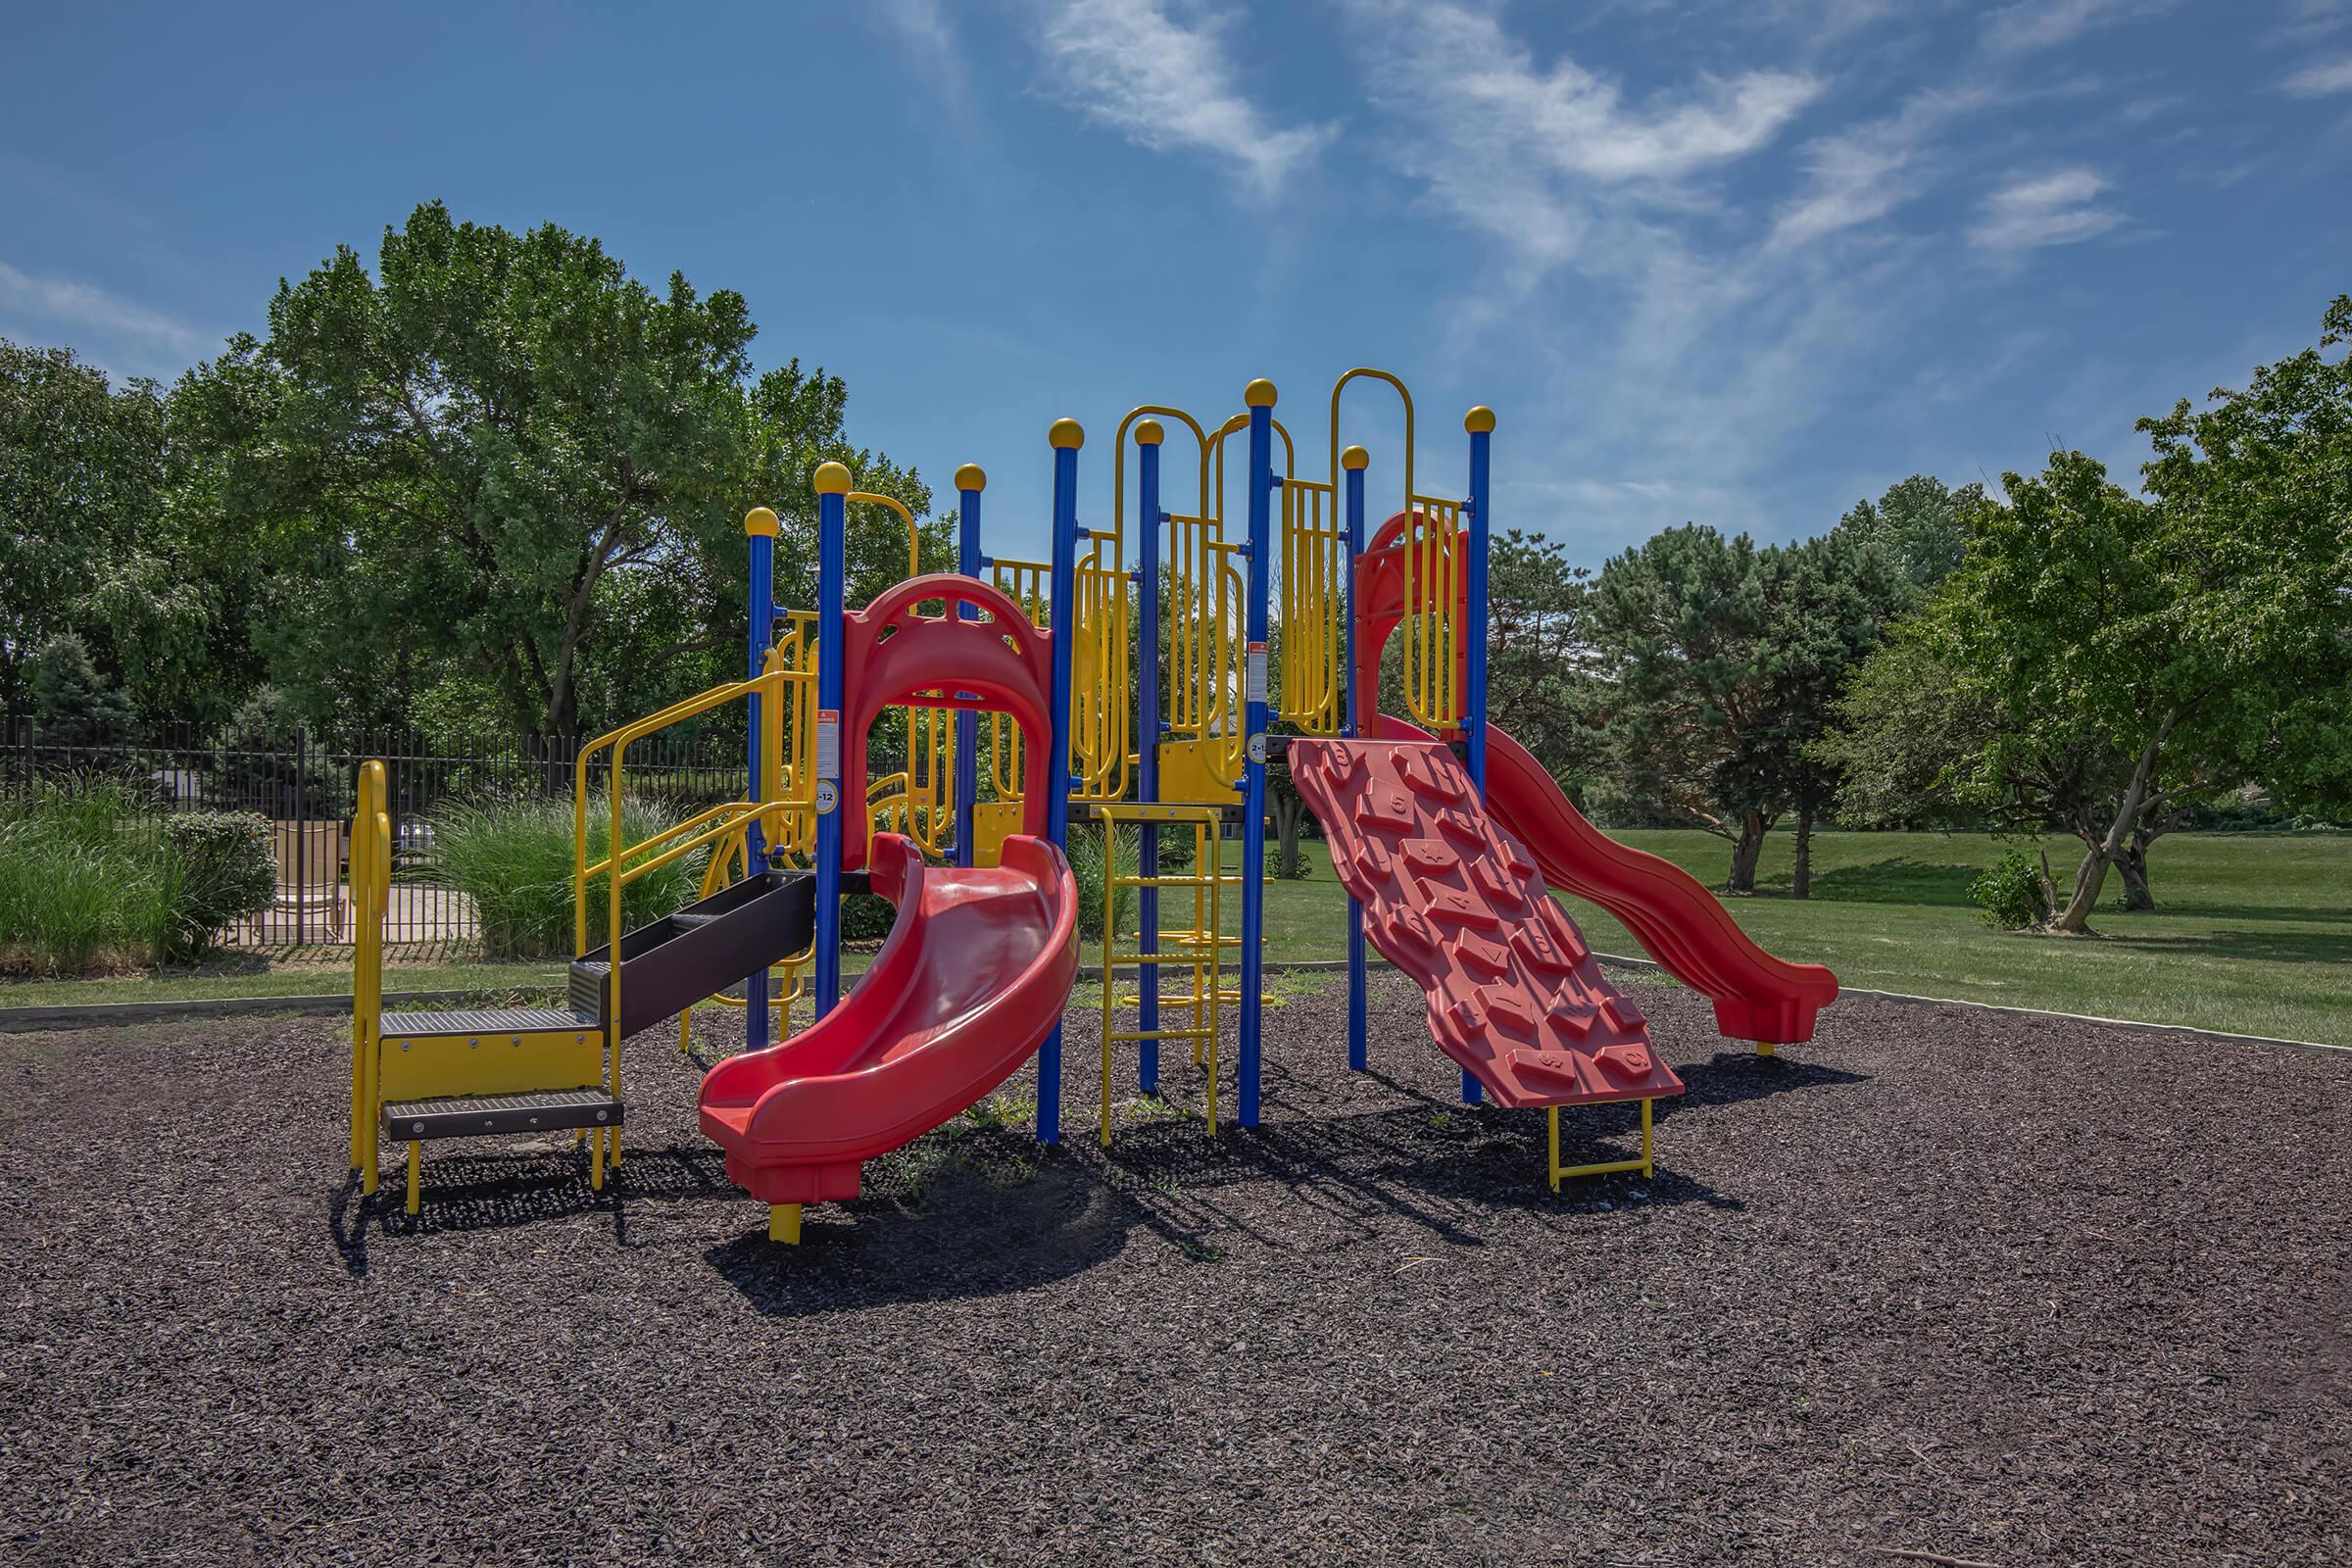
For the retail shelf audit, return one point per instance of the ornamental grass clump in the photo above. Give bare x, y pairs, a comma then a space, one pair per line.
514, 858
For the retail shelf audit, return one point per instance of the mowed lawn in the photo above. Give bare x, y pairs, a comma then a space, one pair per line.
2252, 933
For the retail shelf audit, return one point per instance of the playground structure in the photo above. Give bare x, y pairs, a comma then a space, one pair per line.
1444, 831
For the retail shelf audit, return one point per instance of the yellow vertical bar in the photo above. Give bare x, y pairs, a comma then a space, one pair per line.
1552, 1114
1111, 905
784, 1223
1648, 1166
1216, 982
415, 1174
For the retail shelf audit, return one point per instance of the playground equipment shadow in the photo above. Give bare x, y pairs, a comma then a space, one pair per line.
2004, 1290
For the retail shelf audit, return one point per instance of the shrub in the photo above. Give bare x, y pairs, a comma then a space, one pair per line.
2008, 893
227, 870
84, 884
1085, 854
514, 858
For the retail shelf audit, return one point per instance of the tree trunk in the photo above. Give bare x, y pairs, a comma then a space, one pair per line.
1289, 812
2135, 868
2090, 878
1750, 845
2111, 847
1801, 883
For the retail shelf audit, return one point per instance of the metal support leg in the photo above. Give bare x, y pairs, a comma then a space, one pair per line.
416, 1173
784, 1223
596, 1161
1764, 1047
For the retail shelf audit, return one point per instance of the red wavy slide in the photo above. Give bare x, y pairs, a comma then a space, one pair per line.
1692, 936
973, 977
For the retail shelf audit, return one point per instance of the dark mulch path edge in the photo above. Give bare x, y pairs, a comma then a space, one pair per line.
2016, 1291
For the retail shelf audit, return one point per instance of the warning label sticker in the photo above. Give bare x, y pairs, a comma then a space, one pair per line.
828, 743
1257, 678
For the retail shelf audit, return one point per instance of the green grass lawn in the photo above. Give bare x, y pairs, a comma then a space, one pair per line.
2253, 933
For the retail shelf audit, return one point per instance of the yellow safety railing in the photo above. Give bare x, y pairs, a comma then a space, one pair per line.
623, 862
1102, 724
1433, 563
1313, 602
370, 894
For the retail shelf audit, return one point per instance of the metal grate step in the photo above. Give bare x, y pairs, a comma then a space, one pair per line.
484, 1022
481, 1115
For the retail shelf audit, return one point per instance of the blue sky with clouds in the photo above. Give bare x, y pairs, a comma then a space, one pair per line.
1738, 260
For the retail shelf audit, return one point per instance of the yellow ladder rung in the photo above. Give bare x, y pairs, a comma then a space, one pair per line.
1187, 1000
1160, 1034
1130, 960
1172, 881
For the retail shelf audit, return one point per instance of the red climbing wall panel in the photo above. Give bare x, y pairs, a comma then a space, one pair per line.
1514, 994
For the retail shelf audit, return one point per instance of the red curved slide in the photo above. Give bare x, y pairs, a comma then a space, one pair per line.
974, 976
1691, 935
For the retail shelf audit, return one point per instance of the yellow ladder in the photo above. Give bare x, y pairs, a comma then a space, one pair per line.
1198, 949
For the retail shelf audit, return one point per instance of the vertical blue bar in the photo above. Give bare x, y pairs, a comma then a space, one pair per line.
1146, 729
832, 511
1260, 398
967, 723
1066, 438
760, 526
1359, 1031
1480, 423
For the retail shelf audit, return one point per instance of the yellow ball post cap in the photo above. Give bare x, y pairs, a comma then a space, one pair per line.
1066, 435
971, 476
1150, 435
832, 479
1478, 420
1356, 457
760, 520
1258, 393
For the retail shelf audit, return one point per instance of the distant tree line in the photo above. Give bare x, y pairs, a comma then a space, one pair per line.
2069, 656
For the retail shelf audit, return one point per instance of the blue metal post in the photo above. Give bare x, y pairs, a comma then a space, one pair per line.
969, 482
760, 530
1480, 423
1259, 396
832, 518
1148, 438
1067, 437
1352, 461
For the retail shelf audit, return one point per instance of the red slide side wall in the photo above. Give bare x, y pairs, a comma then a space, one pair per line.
1513, 994
973, 977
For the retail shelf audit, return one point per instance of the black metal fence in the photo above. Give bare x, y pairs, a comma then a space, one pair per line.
307, 788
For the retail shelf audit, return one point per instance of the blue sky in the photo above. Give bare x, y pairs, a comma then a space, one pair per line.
1733, 261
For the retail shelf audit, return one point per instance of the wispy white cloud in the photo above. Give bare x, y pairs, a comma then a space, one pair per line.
1541, 155
1861, 175
1165, 84
926, 33
2045, 24
83, 305
2053, 209
2321, 78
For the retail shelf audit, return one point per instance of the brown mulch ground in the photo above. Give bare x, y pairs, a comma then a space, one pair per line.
1994, 1290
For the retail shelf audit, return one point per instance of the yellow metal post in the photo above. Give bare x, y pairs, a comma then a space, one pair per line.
1764, 1047
1645, 1163
784, 1223
415, 1172
596, 1163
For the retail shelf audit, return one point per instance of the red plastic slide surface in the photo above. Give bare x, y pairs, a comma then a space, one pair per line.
975, 974
1514, 996
1691, 935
